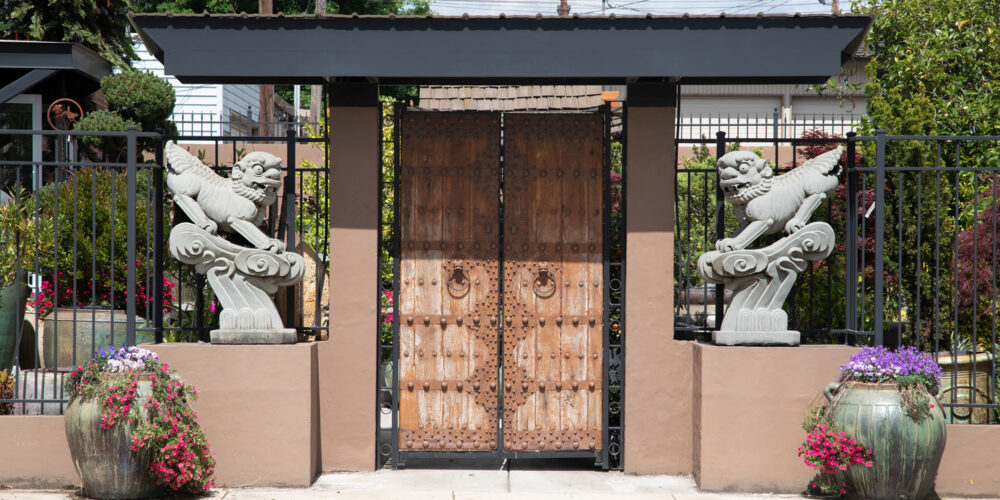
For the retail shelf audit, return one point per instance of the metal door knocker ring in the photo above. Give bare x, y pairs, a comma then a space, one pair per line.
544, 283
458, 282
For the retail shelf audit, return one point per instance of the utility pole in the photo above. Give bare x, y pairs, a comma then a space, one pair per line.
834, 6
316, 91
266, 91
563, 8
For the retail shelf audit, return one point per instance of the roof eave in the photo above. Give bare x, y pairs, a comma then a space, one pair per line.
465, 50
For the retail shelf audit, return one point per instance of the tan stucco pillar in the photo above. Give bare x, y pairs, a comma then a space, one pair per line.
347, 362
658, 370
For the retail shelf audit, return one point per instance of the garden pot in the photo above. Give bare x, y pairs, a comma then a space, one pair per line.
68, 343
905, 454
12, 303
956, 382
108, 468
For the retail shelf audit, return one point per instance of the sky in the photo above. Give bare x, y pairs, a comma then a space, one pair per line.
632, 7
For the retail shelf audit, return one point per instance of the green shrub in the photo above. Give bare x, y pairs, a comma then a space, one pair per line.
108, 147
89, 263
141, 97
6, 392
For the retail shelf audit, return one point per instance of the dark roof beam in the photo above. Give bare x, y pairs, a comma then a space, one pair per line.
24, 83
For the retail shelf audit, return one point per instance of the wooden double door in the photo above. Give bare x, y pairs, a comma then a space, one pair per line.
501, 283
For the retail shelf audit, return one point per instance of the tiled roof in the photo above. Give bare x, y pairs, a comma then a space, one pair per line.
511, 97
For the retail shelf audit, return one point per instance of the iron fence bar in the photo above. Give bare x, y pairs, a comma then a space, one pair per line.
158, 200
379, 268
720, 225
66, 163
397, 128
290, 231
851, 264
622, 288
937, 253
603, 459
130, 245
879, 234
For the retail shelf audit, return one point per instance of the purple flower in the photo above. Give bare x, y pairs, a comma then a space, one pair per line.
878, 364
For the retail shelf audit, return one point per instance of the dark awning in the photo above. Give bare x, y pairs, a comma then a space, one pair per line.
388, 49
31, 66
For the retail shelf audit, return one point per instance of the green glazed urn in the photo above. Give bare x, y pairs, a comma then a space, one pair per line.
905, 453
107, 466
12, 303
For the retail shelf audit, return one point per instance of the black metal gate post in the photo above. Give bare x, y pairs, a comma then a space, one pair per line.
131, 228
879, 234
290, 229
158, 241
851, 259
720, 226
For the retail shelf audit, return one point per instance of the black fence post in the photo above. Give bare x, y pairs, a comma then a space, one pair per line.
130, 237
879, 234
290, 230
851, 240
158, 240
720, 226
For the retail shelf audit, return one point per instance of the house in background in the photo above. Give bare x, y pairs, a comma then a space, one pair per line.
773, 110
213, 109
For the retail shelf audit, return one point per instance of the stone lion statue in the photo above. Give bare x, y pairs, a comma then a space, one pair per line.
237, 204
764, 203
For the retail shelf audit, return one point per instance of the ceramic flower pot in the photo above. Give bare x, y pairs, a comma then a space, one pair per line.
958, 375
103, 458
12, 303
72, 336
905, 453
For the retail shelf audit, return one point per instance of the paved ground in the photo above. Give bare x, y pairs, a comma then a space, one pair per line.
458, 484
462, 484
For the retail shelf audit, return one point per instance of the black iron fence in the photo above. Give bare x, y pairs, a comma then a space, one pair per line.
83, 223
763, 127
915, 261
210, 123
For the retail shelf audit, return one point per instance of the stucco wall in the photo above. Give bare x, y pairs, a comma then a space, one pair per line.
658, 370
750, 403
257, 406
748, 408
347, 361
34, 453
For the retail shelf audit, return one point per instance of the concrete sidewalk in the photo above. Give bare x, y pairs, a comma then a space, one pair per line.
459, 484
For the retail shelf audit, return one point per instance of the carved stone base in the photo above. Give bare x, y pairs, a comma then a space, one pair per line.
243, 279
761, 279
790, 338
283, 336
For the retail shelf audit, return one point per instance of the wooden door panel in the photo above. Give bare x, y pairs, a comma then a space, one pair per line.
448, 281
553, 282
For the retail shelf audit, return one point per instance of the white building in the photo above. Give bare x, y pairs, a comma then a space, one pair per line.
207, 109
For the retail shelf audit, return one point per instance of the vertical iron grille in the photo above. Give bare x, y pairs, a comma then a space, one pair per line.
77, 249
614, 294
387, 424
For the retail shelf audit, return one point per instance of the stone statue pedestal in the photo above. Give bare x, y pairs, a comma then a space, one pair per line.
243, 279
761, 279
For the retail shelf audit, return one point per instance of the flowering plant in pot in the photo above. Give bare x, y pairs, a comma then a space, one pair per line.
881, 389
131, 430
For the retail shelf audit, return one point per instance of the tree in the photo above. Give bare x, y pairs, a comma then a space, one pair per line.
100, 25
133, 98
933, 72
